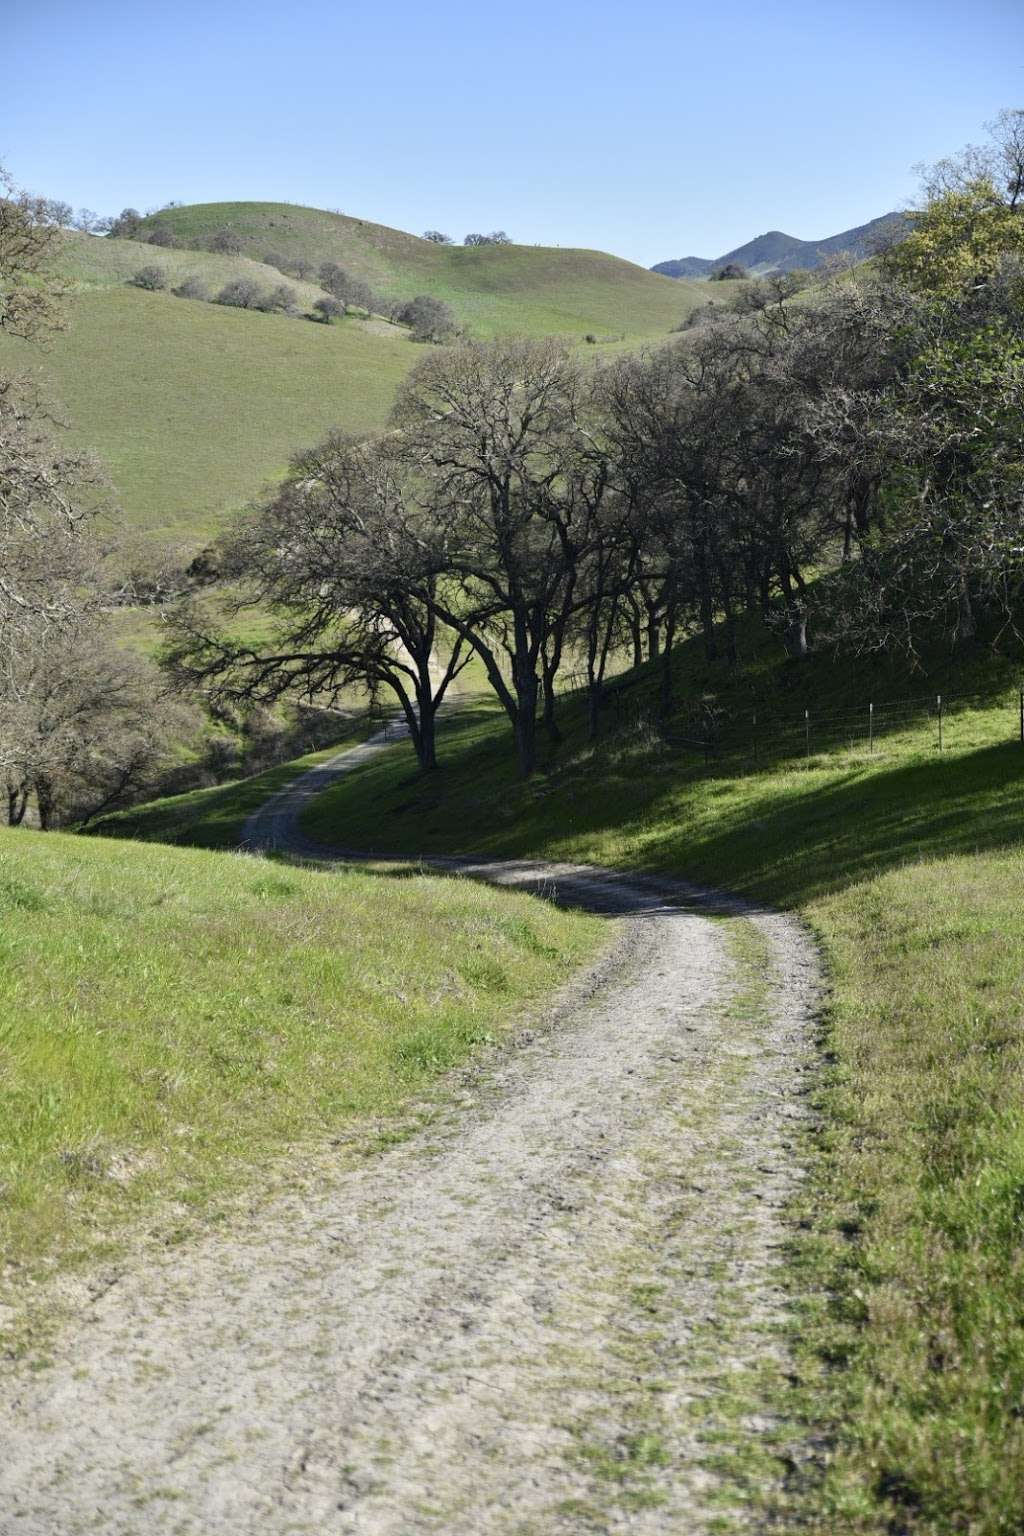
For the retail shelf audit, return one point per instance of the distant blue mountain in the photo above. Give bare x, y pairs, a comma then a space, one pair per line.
777, 252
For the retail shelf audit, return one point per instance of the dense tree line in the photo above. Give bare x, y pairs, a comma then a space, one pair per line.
525, 508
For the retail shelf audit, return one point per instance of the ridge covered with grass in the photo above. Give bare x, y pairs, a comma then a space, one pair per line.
526, 289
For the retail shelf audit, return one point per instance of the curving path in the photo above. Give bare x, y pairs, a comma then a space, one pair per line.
541, 1313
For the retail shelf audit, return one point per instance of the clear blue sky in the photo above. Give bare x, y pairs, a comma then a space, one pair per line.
653, 131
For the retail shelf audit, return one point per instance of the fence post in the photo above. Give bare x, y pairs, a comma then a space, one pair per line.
938, 703
807, 731
871, 727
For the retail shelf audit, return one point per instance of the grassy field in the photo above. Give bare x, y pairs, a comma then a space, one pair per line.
193, 407
531, 290
909, 867
90, 261
171, 1020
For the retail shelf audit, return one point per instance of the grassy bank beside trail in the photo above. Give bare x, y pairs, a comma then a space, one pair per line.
910, 869
215, 817
172, 1020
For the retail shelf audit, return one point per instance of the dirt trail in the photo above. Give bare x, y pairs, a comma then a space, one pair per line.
526, 1318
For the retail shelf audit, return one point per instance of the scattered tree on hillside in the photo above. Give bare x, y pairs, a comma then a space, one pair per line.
126, 226
241, 293
159, 234
350, 291
87, 221
151, 277
437, 238
225, 242
335, 279
729, 273
191, 288
59, 213
279, 300
430, 319
328, 309
89, 728
31, 298
496, 237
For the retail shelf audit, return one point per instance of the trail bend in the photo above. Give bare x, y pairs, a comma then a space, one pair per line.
527, 1318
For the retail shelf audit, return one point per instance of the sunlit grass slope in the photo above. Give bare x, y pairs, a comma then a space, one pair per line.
192, 407
530, 290
91, 261
171, 1020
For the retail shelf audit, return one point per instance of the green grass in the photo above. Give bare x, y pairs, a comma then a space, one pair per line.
531, 290
214, 817
909, 867
192, 407
173, 1020
93, 262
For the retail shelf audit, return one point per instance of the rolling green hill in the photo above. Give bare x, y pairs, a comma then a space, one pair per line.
532, 290
193, 407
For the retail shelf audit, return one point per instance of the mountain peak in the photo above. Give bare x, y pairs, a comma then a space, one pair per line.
775, 251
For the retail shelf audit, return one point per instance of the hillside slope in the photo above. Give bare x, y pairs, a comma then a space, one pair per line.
192, 407
532, 290
779, 252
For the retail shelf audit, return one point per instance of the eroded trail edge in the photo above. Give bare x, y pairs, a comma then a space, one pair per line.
551, 1310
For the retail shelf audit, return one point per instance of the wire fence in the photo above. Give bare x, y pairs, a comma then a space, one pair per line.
938, 722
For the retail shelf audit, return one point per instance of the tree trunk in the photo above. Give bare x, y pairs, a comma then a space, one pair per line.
44, 803
549, 667
665, 682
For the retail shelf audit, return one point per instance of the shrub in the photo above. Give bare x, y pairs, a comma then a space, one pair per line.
191, 288
327, 309
226, 242
161, 235
279, 300
430, 319
242, 293
151, 277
